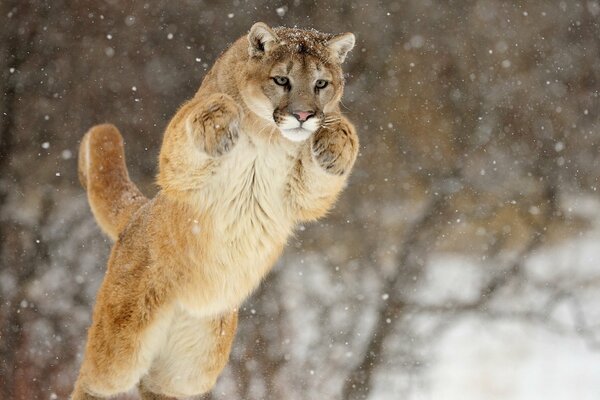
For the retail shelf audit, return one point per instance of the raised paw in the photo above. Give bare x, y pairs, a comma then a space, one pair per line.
335, 146
214, 124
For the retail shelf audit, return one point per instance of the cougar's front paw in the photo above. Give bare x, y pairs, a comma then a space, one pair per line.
335, 146
214, 125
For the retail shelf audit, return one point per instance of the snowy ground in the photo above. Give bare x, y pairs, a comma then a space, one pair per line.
481, 359
515, 358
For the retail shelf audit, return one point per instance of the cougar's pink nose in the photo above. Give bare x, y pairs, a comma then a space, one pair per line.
303, 115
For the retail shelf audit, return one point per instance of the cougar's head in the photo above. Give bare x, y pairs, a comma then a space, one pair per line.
294, 77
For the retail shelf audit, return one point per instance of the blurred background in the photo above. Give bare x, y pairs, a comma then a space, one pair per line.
462, 262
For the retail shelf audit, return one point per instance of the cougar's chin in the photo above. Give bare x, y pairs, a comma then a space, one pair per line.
296, 134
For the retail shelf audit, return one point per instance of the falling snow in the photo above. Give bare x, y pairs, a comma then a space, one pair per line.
459, 263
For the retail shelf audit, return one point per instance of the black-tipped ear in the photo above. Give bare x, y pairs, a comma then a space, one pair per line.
261, 39
340, 45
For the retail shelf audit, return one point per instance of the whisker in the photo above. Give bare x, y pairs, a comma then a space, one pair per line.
343, 105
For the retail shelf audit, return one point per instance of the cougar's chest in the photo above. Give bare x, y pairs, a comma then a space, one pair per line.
250, 192
249, 221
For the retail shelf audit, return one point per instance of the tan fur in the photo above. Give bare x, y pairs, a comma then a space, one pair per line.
108, 171
236, 174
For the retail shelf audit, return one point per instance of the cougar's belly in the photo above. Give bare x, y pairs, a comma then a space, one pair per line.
222, 284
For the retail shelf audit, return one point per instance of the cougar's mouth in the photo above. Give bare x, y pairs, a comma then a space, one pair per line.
293, 129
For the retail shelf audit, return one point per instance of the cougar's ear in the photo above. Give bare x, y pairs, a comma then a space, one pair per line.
261, 39
340, 45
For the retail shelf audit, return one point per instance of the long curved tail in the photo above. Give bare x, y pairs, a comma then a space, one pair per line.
103, 173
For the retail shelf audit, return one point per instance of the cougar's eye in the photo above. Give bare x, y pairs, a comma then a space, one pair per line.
281, 80
321, 84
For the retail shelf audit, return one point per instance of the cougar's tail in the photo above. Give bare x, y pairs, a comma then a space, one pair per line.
103, 173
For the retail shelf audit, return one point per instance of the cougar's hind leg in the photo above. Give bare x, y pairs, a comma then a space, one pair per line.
132, 315
118, 355
196, 351
103, 173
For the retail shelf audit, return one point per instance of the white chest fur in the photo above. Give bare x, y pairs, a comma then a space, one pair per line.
245, 199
